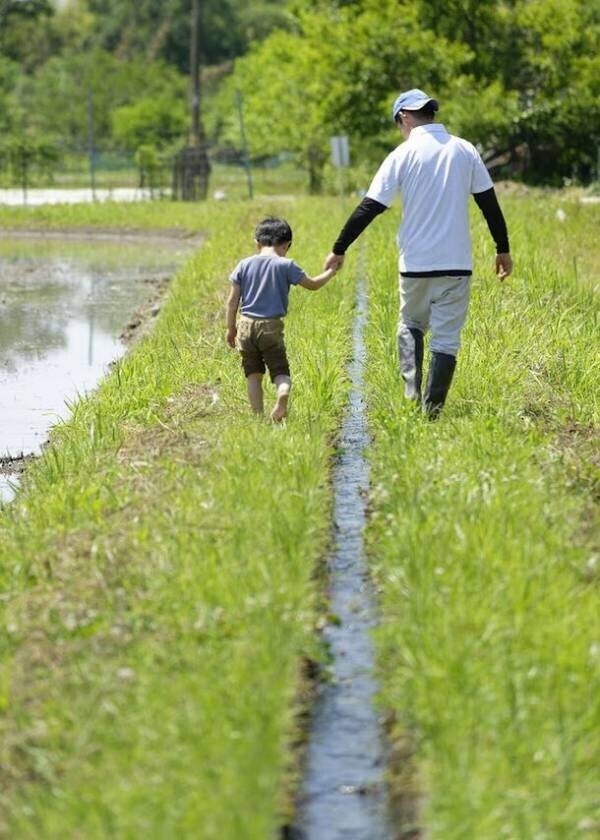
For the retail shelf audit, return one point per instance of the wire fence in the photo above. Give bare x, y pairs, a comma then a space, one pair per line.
114, 174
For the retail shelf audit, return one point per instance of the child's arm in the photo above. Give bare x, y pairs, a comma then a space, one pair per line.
233, 301
314, 283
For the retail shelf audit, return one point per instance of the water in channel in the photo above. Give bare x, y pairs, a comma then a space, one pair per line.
63, 305
344, 794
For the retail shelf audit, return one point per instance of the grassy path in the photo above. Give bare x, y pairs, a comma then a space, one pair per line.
484, 541
158, 565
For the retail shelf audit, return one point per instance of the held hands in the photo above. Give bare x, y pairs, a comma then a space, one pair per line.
334, 261
230, 336
504, 265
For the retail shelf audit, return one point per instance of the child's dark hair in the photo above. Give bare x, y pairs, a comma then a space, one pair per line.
272, 231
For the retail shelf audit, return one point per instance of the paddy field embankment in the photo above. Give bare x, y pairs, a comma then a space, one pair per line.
485, 540
160, 564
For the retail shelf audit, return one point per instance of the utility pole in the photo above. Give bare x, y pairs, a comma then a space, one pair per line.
246, 157
192, 167
195, 75
91, 143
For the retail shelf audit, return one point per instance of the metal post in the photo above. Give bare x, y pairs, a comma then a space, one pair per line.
245, 156
24, 173
191, 167
92, 295
91, 144
195, 74
340, 158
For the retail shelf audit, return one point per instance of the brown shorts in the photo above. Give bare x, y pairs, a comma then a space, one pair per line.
260, 342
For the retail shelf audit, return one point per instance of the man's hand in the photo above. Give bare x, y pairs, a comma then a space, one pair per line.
504, 265
230, 336
335, 261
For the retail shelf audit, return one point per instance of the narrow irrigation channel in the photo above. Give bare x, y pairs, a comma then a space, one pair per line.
344, 794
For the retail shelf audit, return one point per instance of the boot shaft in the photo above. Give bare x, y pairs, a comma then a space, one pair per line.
410, 358
441, 371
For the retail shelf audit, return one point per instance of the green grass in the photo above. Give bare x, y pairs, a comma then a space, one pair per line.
119, 215
187, 216
158, 567
483, 540
159, 564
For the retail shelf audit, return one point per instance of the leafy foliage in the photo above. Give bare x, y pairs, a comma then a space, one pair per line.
520, 78
161, 28
58, 97
24, 153
156, 121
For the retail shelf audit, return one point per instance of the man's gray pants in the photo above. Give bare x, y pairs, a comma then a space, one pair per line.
436, 303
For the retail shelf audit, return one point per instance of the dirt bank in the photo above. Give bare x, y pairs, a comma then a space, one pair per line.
88, 233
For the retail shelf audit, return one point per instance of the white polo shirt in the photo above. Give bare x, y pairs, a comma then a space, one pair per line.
436, 174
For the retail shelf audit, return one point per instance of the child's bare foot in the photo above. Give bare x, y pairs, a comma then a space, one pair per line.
283, 383
280, 408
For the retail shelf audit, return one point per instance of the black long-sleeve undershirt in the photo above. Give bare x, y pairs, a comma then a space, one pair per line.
361, 218
369, 209
488, 204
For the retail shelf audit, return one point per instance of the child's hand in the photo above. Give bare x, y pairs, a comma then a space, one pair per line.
230, 336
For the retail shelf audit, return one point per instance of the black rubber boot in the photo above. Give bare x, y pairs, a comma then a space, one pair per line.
441, 371
410, 356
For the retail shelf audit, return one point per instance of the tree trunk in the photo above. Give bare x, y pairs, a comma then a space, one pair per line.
316, 162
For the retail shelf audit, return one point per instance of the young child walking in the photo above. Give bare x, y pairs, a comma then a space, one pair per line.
261, 284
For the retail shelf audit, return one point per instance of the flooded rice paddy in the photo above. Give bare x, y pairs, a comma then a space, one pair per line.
64, 301
36, 197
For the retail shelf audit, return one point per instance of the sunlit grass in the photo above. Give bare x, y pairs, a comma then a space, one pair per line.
483, 540
159, 564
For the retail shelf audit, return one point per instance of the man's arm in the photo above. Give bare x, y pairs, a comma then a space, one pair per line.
233, 301
492, 213
360, 219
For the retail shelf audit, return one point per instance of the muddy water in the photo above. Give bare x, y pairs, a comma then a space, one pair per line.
16, 197
63, 305
344, 795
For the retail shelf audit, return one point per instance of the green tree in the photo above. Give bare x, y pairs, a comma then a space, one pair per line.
483, 112
57, 97
23, 154
532, 83
157, 122
520, 78
8, 75
148, 163
23, 9
558, 81
161, 28
24, 31
337, 73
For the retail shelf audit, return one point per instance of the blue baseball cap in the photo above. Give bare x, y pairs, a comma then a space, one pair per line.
413, 100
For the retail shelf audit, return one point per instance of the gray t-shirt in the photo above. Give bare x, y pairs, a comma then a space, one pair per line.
265, 281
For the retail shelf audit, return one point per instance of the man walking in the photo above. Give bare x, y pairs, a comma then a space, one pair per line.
436, 173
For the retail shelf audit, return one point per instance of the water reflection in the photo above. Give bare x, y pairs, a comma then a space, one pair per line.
62, 307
